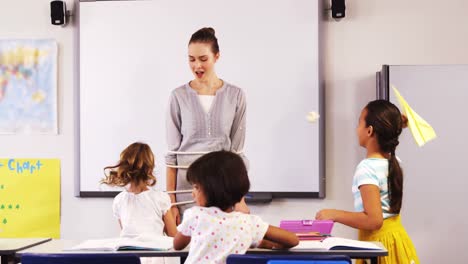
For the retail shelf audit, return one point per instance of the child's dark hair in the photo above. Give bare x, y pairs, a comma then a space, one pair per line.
136, 165
206, 35
387, 123
222, 177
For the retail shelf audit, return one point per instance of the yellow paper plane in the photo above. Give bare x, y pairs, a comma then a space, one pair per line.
421, 130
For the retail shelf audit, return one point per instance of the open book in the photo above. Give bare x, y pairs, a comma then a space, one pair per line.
336, 243
156, 243
311, 236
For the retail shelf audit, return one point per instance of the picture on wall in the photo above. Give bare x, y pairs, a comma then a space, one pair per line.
28, 87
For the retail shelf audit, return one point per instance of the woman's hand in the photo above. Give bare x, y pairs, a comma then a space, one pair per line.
176, 214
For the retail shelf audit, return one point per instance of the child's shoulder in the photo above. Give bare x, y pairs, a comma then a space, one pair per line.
121, 197
200, 210
374, 168
215, 212
121, 194
371, 163
206, 212
157, 194
151, 193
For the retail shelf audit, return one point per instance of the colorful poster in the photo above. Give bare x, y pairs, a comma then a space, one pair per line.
29, 198
28, 86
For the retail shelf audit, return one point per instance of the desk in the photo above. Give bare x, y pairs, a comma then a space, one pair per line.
58, 246
9, 246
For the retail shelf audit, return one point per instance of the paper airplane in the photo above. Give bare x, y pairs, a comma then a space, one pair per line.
312, 117
421, 130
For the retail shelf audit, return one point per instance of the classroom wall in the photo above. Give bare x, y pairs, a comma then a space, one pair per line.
374, 32
396, 32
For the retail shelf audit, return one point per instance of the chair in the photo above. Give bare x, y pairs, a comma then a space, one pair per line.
287, 259
86, 258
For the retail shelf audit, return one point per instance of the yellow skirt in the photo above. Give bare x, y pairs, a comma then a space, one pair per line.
393, 236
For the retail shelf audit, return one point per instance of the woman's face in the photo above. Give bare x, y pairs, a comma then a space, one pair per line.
201, 60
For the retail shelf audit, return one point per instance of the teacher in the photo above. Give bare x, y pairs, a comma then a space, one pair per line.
206, 114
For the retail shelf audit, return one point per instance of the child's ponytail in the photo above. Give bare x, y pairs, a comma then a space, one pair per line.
395, 183
387, 122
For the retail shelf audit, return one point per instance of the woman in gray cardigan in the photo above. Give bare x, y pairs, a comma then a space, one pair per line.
207, 114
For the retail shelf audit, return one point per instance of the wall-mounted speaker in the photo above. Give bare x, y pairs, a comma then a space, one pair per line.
338, 8
58, 12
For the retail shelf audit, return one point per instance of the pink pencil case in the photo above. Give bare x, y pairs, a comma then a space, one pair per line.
304, 226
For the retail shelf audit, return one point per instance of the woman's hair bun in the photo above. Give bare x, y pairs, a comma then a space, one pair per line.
208, 30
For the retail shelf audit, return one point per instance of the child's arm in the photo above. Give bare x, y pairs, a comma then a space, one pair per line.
276, 237
169, 224
370, 219
181, 241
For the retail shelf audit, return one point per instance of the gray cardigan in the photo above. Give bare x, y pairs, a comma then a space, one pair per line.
190, 131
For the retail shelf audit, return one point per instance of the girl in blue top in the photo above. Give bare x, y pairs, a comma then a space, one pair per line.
378, 185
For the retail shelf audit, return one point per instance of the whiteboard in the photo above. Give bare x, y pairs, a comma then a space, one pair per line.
435, 180
132, 54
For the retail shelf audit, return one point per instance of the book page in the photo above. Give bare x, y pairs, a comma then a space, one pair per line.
335, 243
344, 243
110, 244
146, 243
125, 243
309, 244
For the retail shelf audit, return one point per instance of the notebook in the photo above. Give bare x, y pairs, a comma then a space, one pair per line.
336, 243
156, 243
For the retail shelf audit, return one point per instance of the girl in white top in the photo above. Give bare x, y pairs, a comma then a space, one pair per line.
141, 210
213, 229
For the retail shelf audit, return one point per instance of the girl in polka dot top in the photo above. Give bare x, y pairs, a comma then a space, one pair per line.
213, 229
